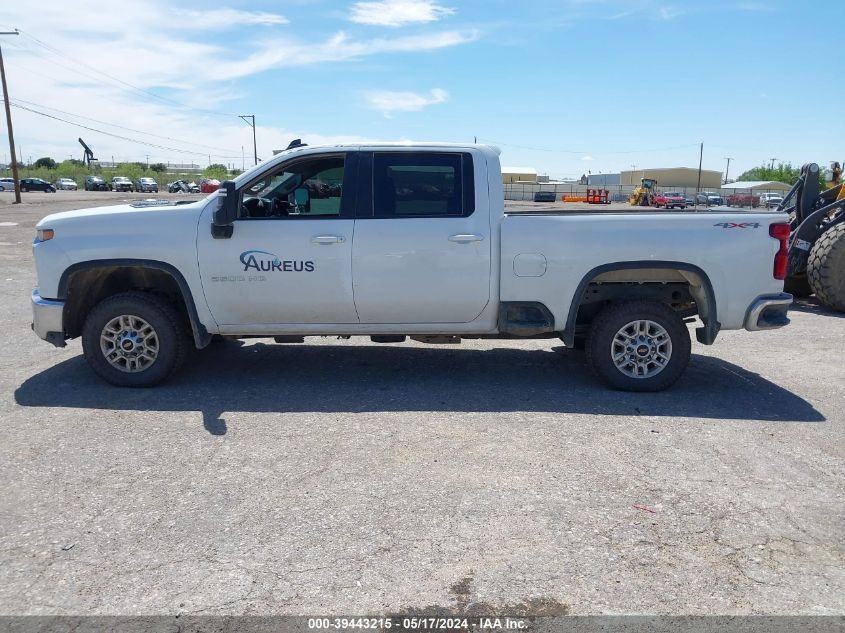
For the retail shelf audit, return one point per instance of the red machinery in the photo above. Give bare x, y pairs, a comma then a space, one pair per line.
598, 196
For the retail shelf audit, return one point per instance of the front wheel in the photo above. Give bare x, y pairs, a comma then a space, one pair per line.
134, 339
638, 346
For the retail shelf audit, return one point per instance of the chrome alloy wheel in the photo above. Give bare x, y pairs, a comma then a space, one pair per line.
129, 343
641, 349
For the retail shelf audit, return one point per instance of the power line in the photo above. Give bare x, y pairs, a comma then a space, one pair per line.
125, 138
121, 127
131, 86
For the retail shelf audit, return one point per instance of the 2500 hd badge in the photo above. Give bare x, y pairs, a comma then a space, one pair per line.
268, 262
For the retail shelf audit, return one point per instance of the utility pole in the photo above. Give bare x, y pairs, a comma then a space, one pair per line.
9, 121
252, 125
700, 160
773, 163
727, 169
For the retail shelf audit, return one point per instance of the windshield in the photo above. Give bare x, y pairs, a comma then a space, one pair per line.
673, 194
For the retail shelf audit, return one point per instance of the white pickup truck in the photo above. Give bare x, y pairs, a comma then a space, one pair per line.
396, 241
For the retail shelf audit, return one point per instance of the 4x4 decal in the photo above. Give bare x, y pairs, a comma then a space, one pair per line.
738, 225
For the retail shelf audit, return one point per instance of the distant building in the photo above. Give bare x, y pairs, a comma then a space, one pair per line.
758, 185
518, 174
603, 180
686, 177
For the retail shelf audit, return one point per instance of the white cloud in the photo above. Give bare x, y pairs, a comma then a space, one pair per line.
160, 54
588, 158
398, 12
339, 47
388, 102
668, 13
226, 18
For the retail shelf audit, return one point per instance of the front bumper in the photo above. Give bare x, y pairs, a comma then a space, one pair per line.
47, 319
768, 312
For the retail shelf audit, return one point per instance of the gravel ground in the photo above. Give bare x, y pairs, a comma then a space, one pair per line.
350, 477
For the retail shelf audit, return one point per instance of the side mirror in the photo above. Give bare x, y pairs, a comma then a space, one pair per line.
227, 212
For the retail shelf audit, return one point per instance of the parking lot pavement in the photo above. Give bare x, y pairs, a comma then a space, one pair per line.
350, 477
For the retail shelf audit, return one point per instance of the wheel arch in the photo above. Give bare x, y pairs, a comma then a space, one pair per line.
84, 284
700, 288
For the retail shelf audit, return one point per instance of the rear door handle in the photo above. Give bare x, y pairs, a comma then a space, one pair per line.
328, 239
465, 238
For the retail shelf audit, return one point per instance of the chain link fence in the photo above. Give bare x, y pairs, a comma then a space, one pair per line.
617, 193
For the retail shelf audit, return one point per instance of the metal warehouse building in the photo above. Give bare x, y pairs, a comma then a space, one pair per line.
518, 174
603, 180
674, 177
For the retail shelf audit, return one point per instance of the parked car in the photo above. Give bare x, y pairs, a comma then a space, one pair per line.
7, 184
433, 258
770, 199
183, 186
544, 196
690, 201
67, 184
209, 185
121, 183
670, 200
146, 185
709, 198
95, 183
743, 200
37, 184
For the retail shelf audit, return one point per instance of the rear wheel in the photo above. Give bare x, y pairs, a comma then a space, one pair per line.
134, 339
826, 268
638, 346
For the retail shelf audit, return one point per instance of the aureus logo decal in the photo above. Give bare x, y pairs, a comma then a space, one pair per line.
262, 261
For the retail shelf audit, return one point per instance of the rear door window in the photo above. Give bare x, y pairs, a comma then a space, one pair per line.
422, 184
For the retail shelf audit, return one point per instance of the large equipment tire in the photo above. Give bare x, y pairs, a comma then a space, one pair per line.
797, 286
826, 268
638, 346
134, 339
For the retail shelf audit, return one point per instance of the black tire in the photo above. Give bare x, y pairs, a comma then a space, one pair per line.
826, 268
158, 313
797, 286
612, 320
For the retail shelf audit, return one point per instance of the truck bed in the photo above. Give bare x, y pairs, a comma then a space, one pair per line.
558, 207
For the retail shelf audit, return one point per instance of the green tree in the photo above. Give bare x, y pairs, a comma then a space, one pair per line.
783, 172
45, 162
216, 171
158, 167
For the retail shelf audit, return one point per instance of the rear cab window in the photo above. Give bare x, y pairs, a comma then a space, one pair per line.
422, 184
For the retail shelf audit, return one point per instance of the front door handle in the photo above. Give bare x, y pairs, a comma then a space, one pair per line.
328, 239
465, 238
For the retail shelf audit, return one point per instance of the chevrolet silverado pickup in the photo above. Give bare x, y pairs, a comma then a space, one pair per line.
397, 241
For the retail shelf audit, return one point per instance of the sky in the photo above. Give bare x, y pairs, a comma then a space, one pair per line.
565, 86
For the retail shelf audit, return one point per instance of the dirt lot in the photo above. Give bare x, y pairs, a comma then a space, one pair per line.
350, 477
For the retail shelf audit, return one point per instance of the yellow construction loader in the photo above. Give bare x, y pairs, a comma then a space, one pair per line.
644, 194
816, 256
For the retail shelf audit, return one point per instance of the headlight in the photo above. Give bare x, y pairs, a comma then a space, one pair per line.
42, 235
